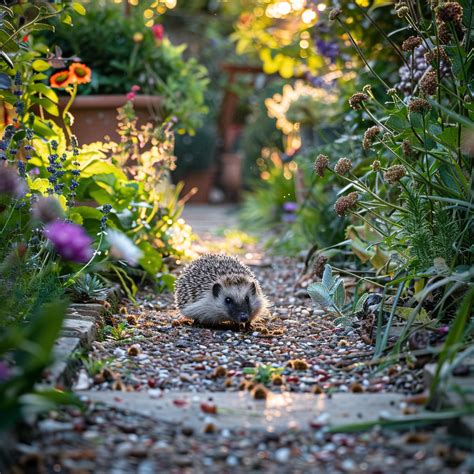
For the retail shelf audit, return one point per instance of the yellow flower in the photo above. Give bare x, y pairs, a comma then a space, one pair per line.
138, 37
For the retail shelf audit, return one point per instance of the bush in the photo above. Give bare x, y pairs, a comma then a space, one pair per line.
126, 53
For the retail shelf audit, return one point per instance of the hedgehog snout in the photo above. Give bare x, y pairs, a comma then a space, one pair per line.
243, 317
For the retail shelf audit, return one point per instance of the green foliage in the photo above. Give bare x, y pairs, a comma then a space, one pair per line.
125, 53
94, 366
329, 293
89, 287
263, 373
195, 152
27, 351
117, 332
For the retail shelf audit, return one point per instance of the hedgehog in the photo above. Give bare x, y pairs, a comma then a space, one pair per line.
217, 288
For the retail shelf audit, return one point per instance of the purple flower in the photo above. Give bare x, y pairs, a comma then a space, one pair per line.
4, 372
69, 240
288, 218
327, 49
290, 206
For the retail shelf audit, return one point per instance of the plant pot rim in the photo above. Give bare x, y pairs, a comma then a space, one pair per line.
110, 101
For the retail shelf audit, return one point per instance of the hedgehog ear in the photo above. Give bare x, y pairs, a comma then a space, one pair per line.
216, 289
253, 288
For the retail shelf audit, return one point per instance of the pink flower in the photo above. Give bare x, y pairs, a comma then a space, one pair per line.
131, 95
135, 88
69, 240
158, 32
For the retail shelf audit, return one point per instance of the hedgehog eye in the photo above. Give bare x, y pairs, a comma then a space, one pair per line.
228, 300
247, 299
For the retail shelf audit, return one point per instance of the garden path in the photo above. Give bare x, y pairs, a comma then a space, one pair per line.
154, 387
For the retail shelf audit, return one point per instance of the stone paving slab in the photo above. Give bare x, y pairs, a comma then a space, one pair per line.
63, 370
206, 219
239, 410
86, 331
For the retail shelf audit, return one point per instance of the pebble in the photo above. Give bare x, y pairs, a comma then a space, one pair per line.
282, 455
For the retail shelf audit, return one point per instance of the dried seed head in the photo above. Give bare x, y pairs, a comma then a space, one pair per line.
411, 43
10, 183
334, 13
445, 32
320, 164
376, 166
356, 100
369, 136
133, 351
406, 148
420, 106
449, 11
220, 371
343, 166
277, 379
318, 266
298, 364
394, 174
346, 203
47, 209
436, 55
260, 392
392, 91
402, 11
429, 83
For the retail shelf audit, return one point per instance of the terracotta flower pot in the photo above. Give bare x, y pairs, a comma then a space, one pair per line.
202, 181
231, 175
95, 116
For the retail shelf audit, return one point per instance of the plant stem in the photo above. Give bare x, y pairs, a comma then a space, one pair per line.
66, 110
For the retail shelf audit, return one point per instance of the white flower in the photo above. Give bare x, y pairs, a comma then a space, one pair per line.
121, 247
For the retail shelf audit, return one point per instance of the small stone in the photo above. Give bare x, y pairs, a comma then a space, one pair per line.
83, 381
232, 461
282, 455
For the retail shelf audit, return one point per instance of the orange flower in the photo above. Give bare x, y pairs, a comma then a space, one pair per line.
80, 73
60, 79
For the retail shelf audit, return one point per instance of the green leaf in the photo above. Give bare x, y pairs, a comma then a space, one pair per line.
46, 91
47, 105
40, 65
319, 294
67, 19
339, 294
327, 279
79, 8
87, 212
151, 261
454, 338
360, 303
405, 313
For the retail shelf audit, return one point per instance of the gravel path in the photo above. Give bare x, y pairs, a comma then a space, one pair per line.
148, 347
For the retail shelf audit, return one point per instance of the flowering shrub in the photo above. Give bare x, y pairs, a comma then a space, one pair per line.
127, 53
65, 210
